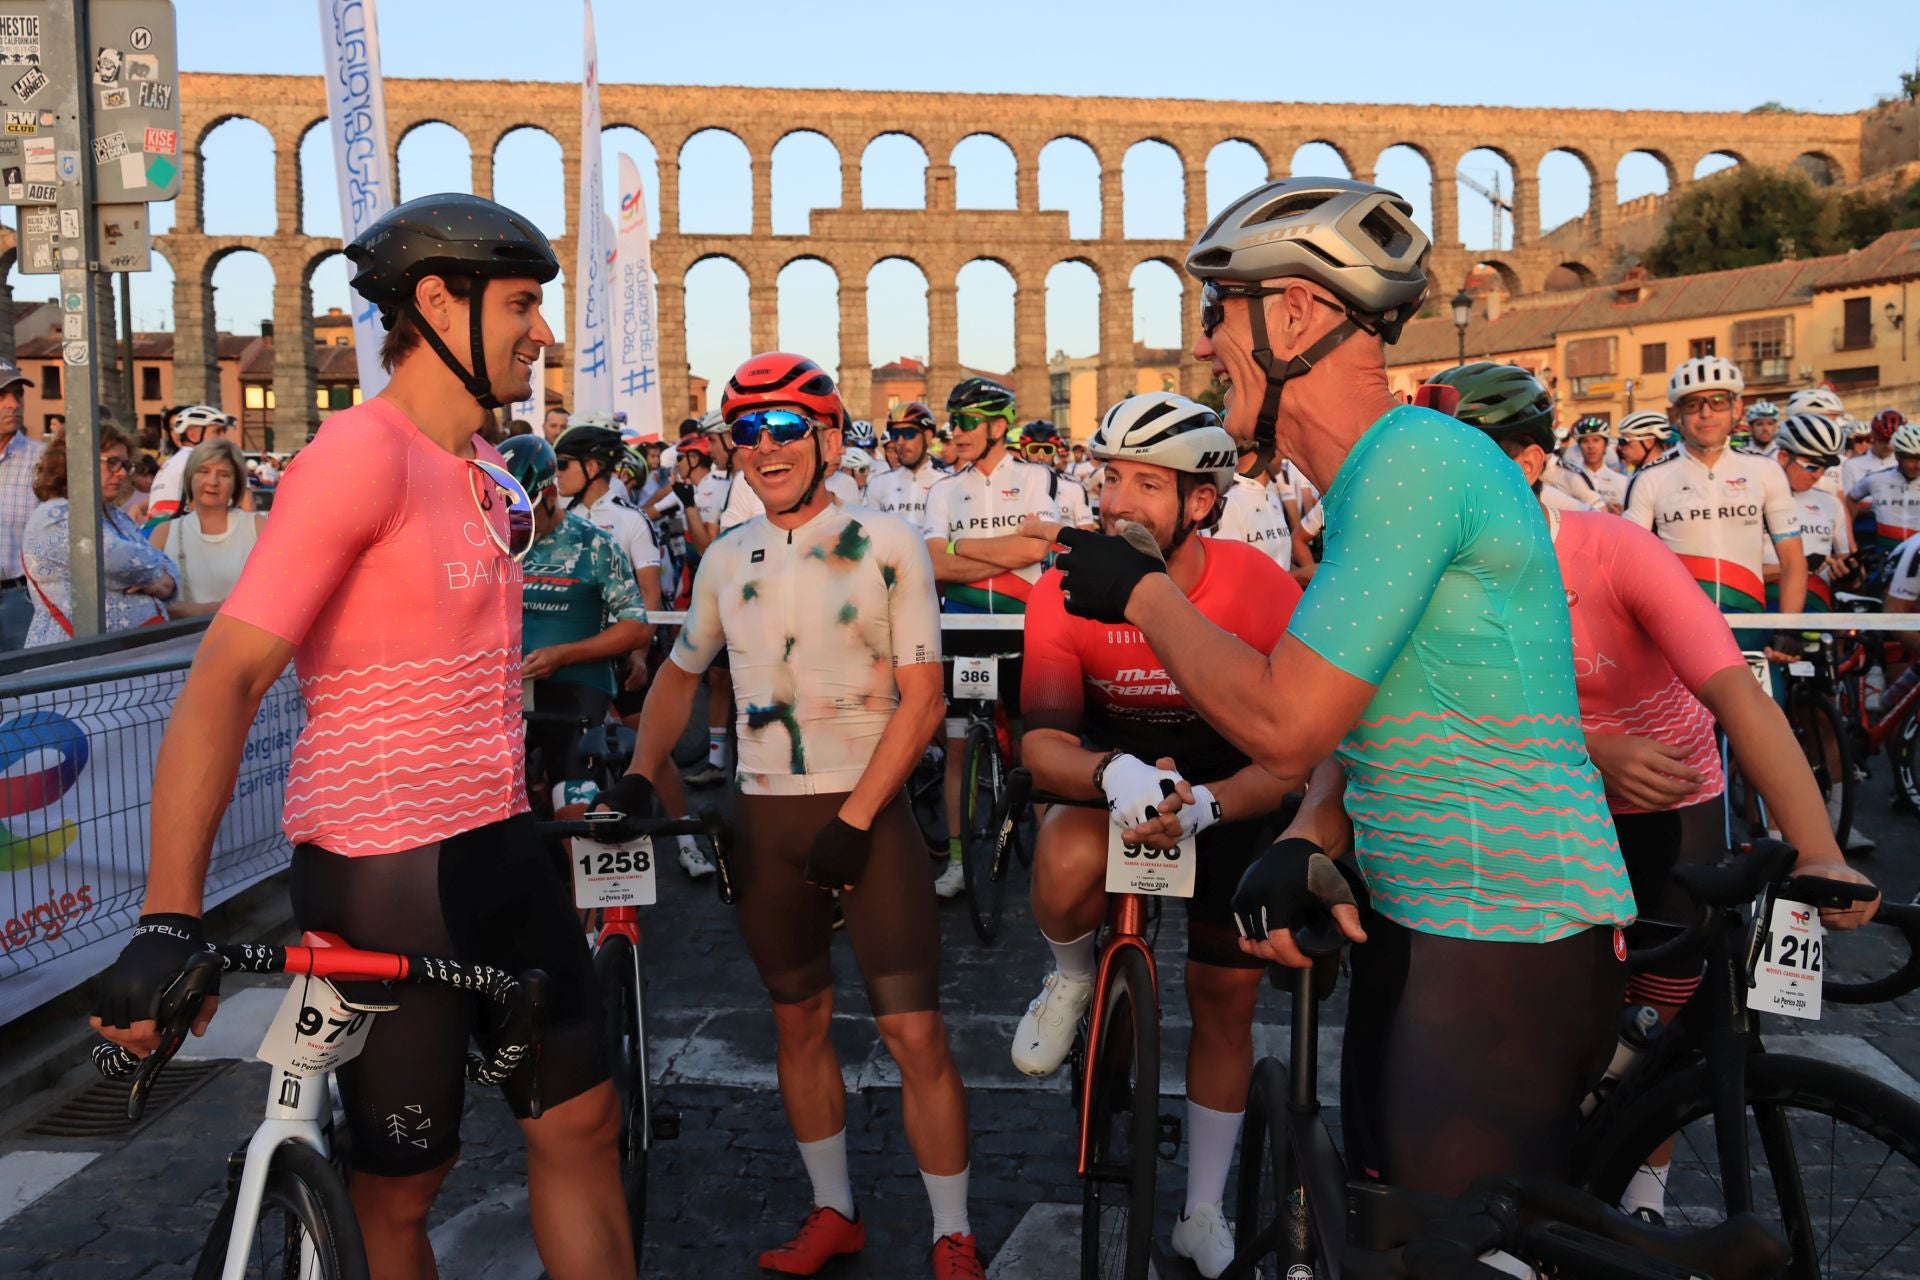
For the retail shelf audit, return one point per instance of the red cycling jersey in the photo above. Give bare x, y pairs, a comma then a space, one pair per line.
1086, 676
1645, 639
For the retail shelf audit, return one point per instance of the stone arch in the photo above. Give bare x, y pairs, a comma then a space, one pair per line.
529, 161
807, 307
1153, 189
1235, 166
432, 156
237, 157
1820, 167
719, 298
1643, 172
319, 189
153, 295
1716, 161
986, 174
247, 303
897, 319
716, 185
893, 172
1483, 224
1565, 179
804, 175
1069, 180
1073, 308
624, 139
1320, 155
1158, 290
1407, 168
1486, 271
1569, 275
985, 287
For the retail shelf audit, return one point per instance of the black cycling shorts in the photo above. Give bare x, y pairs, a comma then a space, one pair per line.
496, 895
558, 744
1225, 852
1652, 845
891, 914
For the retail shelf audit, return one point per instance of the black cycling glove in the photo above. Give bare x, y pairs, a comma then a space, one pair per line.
154, 956
1101, 570
1283, 884
1791, 643
630, 794
684, 491
839, 855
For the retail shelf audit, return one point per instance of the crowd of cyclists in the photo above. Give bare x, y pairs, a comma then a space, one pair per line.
1470, 652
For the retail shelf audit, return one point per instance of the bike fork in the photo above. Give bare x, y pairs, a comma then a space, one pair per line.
296, 1105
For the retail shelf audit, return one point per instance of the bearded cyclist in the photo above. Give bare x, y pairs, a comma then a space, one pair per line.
387, 577
834, 627
1432, 655
982, 562
1167, 460
901, 490
1645, 435
1763, 425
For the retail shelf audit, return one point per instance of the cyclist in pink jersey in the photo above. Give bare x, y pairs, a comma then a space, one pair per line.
388, 577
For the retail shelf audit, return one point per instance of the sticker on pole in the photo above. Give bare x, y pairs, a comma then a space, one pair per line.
1138, 868
976, 678
613, 875
1792, 957
315, 1031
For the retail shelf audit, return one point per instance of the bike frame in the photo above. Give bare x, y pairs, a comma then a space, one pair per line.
1126, 929
1875, 732
624, 922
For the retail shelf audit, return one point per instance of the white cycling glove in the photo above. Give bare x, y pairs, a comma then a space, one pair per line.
1133, 787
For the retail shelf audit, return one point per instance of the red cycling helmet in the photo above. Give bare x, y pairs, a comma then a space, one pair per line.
777, 379
1886, 422
695, 443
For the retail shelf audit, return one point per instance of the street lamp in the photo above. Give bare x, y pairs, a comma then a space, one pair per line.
1462, 316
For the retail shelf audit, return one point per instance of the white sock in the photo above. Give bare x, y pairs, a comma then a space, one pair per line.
1211, 1137
1508, 1263
717, 749
1647, 1189
826, 1162
1074, 959
947, 1193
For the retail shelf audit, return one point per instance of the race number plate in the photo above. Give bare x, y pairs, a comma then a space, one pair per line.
1135, 868
315, 1031
1761, 668
1792, 958
976, 678
1800, 670
613, 875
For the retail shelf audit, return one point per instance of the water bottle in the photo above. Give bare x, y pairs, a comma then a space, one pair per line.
1638, 1026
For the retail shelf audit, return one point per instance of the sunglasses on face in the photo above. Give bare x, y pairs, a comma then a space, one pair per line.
1694, 406
1814, 465
1213, 302
784, 425
1042, 450
900, 435
494, 486
964, 421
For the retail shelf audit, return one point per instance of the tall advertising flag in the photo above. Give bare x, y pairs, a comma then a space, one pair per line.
592, 353
636, 368
357, 123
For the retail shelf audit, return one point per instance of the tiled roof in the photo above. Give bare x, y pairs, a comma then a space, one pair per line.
1894, 256
1525, 326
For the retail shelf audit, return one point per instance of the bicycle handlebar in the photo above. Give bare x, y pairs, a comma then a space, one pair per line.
1904, 917
619, 827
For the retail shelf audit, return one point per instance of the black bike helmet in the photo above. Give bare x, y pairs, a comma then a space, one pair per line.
447, 235
532, 463
1040, 431
983, 396
1502, 400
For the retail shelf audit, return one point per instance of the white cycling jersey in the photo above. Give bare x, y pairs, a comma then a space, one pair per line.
1717, 518
971, 503
632, 532
1905, 583
1824, 532
1574, 484
1857, 467
1293, 485
814, 621
1611, 485
1252, 514
902, 492
1075, 508
1896, 505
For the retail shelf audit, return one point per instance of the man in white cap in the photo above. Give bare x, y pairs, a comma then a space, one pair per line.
18, 457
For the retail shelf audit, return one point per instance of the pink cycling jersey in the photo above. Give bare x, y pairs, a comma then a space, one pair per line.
405, 617
1645, 639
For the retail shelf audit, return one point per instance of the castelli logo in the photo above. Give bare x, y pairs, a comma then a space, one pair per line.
1620, 945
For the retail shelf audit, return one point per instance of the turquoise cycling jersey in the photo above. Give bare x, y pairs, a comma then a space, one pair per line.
1476, 811
578, 582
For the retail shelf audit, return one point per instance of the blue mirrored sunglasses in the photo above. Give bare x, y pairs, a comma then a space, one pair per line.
494, 486
784, 425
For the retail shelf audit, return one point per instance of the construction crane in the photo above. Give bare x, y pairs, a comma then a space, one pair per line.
1499, 202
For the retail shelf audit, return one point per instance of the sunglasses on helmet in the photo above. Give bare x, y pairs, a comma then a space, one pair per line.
494, 487
784, 425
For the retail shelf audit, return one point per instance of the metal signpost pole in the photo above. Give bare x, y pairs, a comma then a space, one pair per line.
86, 572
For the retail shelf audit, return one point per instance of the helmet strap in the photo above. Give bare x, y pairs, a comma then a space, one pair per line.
473, 377
1263, 427
819, 477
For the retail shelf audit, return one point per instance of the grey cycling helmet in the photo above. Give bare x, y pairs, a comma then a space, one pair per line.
1812, 436
1357, 241
1816, 400
1167, 430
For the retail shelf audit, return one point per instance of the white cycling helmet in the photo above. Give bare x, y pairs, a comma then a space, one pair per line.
1813, 437
198, 415
1762, 411
1816, 400
1705, 373
854, 458
1907, 439
713, 423
1167, 430
1854, 428
1645, 424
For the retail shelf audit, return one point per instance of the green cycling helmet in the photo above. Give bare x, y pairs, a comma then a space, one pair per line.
1502, 400
983, 396
532, 462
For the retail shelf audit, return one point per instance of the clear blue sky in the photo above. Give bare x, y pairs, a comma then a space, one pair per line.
1633, 54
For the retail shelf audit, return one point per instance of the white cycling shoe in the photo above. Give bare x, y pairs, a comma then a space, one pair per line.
1045, 1034
1206, 1238
693, 859
952, 882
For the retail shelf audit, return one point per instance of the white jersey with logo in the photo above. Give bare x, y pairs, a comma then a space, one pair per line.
1075, 508
1896, 505
1294, 486
1559, 475
1717, 519
901, 492
814, 621
168, 495
631, 531
1857, 467
1905, 583
1824, 532
970, 503
1252, 514
1611, 485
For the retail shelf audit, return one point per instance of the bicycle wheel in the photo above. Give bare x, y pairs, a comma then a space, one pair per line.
1272, 1221
926, 795
1823, 740
1833, 1156
980, 788
1906, 769
617, 965
1123, 1123
306, 1227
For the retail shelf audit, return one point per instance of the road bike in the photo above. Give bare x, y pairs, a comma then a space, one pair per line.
988, 755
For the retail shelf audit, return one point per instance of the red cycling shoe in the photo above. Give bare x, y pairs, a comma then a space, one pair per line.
956, 1257
824, 1236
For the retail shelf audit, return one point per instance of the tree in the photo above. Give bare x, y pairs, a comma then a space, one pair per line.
1215, 396
1768, 108
1740, 218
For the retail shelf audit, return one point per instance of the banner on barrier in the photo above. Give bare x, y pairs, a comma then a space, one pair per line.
76, 782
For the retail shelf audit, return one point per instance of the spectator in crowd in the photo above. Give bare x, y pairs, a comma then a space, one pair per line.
134, 503
269, 471
56, 423
212, 541
18, 456
519, 427
554, 425
139, 578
